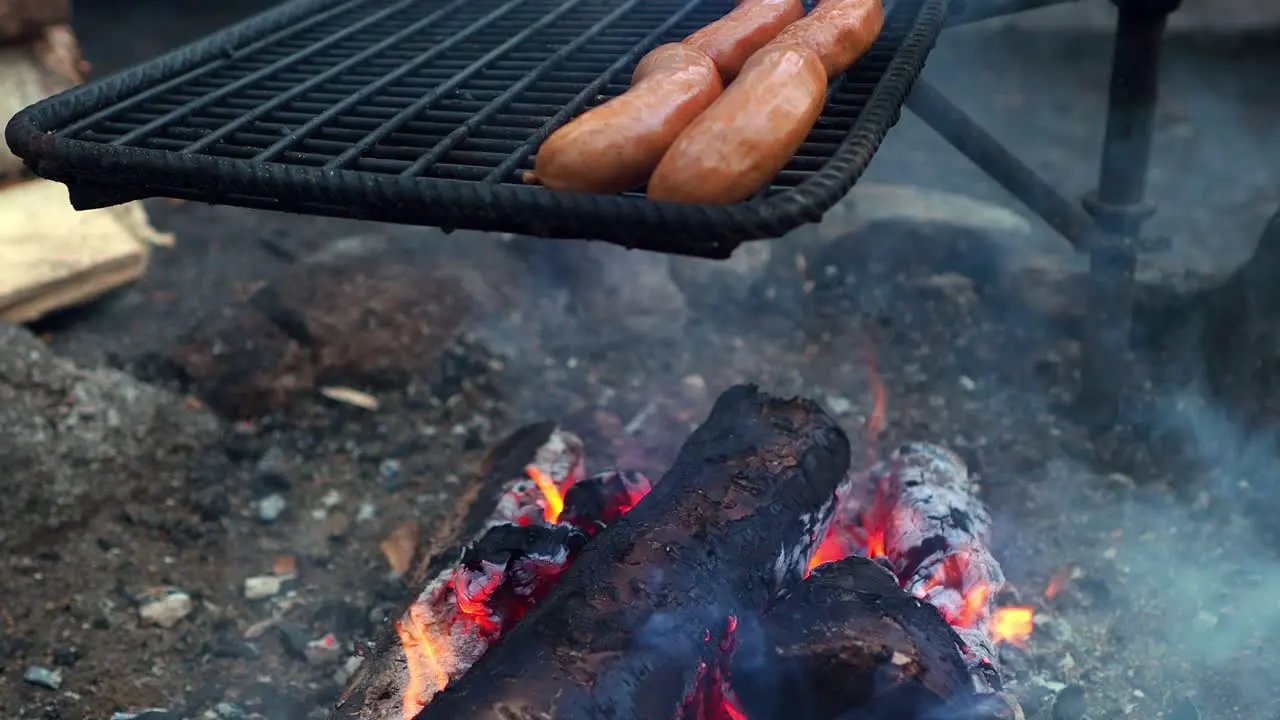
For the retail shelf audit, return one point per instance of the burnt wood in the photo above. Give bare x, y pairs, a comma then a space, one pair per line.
725, 532
380, 680
849, 642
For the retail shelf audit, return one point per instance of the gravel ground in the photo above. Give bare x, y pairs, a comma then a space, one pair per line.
140, 497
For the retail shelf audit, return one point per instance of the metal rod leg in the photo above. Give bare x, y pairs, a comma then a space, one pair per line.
1119, 208
993, 158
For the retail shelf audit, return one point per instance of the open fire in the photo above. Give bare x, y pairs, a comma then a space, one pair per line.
910, 524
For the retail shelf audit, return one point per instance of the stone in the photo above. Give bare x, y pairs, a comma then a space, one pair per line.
359, 314
271, 507
262, 587
164, 606
78, 442
44, 677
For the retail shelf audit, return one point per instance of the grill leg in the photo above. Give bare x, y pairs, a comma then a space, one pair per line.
1119, 206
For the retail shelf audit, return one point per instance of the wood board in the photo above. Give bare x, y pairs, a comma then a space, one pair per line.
53, 257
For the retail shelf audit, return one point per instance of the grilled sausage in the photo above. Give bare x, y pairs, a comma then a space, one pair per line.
614, 147
739, 143
838, 31
735, 37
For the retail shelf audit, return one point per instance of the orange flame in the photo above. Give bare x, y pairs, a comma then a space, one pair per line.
1012, 625
424, 663
875, 421
550, 492
1057, 583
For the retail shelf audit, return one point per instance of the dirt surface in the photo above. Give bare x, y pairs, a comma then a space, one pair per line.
1166, 570
130, 504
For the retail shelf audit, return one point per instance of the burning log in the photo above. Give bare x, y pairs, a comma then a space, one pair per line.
920, 516
463, 611
850, 639
602, 499
500, 495
645, 607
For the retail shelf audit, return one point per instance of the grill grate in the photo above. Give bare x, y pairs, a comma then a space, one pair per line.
427, 112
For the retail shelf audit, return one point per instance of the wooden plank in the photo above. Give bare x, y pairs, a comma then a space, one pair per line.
25, 18
30, 72
52, 256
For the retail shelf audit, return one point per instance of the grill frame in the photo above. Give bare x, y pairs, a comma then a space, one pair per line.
99, 174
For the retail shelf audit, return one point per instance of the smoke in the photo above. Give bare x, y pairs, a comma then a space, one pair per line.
1205, 560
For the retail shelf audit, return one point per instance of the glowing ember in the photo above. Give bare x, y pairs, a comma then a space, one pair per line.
917, 514
1057, 583
553, 501
1012, 625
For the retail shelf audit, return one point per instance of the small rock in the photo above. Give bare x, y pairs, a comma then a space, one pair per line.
164, 606
1071, 704
261, 587
389, 471
323, 649
695, 384
271, 474
344, 673
293, 639
337, 525
839, 405
44, 677
227, 645
271, 507
366, 512
67, 656
148, 714
227, 711
331, 499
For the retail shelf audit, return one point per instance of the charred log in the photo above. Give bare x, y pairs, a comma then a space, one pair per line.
603, 498
728, 529
377, 688
848, 640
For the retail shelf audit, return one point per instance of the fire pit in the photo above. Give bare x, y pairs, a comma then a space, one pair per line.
222, 525
759, 578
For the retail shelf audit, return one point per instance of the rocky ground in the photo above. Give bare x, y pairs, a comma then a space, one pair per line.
200, 468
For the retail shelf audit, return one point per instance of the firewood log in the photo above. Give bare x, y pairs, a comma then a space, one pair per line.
850, 639
23, 19
376, 689
30, 72
630, 628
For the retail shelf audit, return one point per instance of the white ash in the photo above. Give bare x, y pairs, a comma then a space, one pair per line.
936, 540
441, 639
922, 505
562, 458
792, 563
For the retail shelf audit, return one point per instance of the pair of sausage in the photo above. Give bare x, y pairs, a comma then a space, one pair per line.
616, 146
693, 140
734, 148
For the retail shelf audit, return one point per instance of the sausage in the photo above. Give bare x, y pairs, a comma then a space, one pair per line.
838, 31
614, 147
735, 37
739, 143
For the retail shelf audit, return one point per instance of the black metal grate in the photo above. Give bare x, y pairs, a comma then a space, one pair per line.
427, 111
